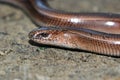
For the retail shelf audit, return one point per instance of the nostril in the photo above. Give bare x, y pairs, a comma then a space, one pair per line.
30, 35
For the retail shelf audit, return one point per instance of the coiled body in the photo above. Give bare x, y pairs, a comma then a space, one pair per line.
96, 32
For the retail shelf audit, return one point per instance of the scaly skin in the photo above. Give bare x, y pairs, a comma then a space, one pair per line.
83, 39
96, 32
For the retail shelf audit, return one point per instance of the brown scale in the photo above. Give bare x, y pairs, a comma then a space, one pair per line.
93, 41
43, 14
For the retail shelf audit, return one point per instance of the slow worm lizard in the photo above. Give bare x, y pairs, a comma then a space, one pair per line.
95, 32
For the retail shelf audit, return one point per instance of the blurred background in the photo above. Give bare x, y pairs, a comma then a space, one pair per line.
19, 60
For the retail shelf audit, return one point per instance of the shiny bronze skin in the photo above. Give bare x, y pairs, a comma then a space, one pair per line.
103, 22
40, 12
96, 32
83, 39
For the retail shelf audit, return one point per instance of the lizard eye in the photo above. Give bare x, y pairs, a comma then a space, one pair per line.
44, 34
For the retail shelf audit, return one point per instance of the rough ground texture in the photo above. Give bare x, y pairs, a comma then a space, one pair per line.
19, 60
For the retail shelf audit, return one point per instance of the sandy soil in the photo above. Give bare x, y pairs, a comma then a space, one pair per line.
20, 60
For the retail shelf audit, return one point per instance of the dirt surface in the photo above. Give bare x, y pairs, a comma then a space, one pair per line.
19, 60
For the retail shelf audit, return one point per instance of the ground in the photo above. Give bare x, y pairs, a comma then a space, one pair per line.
21, 60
